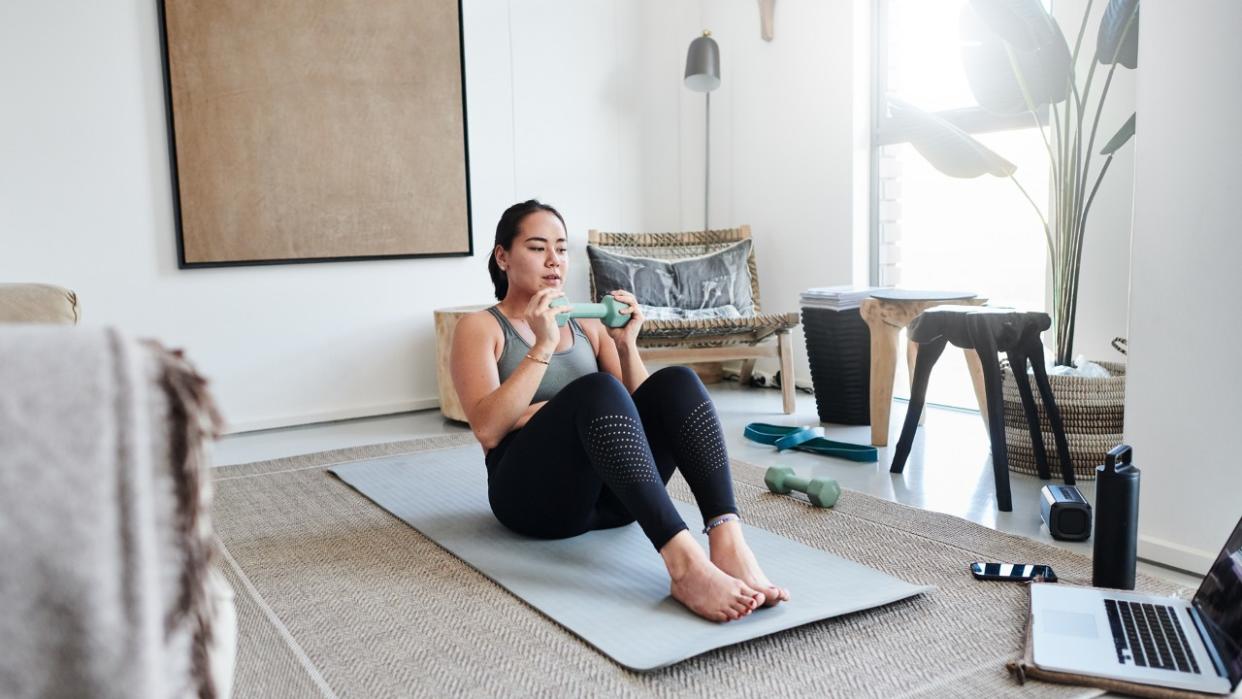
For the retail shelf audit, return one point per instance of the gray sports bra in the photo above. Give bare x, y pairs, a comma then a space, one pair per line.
563, 367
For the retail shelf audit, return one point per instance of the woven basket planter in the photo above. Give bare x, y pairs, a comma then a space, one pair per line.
1092, 409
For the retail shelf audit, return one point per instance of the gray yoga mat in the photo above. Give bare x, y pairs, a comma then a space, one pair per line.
608, 587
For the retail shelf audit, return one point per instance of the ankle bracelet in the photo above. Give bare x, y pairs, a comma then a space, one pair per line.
719, 521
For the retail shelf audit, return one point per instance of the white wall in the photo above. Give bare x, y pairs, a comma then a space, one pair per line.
789, 129
575, 127
579, 103
85, 201
1182, 393
788, 137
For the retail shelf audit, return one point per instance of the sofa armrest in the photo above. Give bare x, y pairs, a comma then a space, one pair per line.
38, 303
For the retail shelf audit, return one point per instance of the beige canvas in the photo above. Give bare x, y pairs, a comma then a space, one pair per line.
317, 129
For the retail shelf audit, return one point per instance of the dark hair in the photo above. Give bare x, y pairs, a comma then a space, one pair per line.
506, 231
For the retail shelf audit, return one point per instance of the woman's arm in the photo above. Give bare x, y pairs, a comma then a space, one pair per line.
491, 408
494, 409
633, 371
617, 348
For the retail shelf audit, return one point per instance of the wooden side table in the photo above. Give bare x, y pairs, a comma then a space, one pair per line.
886, 313
446, 322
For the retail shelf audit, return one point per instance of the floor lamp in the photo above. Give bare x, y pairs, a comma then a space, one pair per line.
703, 75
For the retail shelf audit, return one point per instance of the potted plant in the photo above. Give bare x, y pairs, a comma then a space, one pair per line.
1017, 60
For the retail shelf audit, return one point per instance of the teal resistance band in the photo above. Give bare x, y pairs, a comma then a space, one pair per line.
805, 439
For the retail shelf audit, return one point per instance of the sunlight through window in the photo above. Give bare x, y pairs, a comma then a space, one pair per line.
943, 233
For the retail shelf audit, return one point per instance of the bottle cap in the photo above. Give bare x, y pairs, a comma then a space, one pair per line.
1119, 454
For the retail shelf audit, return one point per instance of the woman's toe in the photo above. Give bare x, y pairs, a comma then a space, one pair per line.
752, 593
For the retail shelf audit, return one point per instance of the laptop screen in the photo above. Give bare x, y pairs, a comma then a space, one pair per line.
1219, 601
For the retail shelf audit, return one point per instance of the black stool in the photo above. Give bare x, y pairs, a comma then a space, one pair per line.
988, 331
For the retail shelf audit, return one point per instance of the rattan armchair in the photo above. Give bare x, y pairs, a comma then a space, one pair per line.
713, 340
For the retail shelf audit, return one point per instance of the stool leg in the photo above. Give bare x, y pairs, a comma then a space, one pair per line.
928, 354
912, 360
883, 366
784, 343
1017, 361
1035, 350
981, 338
976, 380
747, 372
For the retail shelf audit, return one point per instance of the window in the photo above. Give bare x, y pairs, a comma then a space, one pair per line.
931, 231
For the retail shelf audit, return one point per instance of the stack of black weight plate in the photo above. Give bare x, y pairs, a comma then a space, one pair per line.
838, 347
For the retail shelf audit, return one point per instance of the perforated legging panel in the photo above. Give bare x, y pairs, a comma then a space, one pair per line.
685, 433
702, 448
596, 457
618, 448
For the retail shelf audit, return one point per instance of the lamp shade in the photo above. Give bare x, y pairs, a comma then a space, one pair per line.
703, 64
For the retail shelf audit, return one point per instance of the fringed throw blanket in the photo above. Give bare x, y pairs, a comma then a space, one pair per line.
104, 541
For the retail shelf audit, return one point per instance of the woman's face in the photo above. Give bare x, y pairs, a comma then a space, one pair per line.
538, 257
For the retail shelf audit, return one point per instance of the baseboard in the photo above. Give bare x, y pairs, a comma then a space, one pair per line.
405, 406
1167, 553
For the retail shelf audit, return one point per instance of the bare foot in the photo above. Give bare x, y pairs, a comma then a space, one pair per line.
702, 587
731, 554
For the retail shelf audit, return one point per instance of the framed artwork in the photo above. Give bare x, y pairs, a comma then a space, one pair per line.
316, 130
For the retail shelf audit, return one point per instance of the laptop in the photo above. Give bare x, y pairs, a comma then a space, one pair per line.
1195, 645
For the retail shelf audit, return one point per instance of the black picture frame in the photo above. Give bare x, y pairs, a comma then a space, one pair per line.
175, 176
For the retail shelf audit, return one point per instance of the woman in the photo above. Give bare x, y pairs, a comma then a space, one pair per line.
577, 435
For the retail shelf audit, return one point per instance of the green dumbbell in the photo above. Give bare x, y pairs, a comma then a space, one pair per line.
608, 311
823, 492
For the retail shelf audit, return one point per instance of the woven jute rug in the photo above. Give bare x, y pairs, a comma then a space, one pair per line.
337, 598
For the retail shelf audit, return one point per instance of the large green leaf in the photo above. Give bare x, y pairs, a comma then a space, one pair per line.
1009, 46
1111, 41
949, 149
1119, 139
1023, 23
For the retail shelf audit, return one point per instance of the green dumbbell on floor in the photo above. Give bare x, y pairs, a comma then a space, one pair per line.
823, 492
608, 311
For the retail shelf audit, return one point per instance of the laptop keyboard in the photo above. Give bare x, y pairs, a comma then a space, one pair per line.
1151, 635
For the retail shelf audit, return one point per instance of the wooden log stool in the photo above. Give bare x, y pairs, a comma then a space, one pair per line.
446, 323
989, 331
886, 313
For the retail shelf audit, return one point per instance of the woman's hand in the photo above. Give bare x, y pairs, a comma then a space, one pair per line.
542, 320
627, 335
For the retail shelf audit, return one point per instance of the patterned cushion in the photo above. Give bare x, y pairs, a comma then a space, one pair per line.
667, 313
709, 281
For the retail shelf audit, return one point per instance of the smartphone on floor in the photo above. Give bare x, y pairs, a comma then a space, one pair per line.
1014, 572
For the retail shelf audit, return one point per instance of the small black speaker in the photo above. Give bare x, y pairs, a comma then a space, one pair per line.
1066, 512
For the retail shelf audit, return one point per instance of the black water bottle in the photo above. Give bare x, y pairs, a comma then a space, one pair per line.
1116, 521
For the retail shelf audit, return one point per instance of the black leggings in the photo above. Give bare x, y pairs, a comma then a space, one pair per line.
596, 457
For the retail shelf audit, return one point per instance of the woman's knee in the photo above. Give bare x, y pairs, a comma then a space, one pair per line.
672, 393
598, 387
676, 382
677, 375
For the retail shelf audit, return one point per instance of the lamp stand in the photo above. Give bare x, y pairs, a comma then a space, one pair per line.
707, 158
